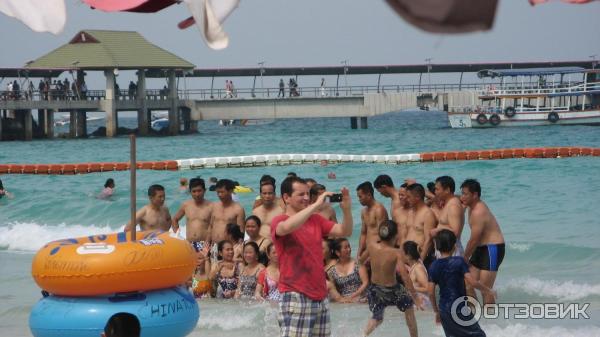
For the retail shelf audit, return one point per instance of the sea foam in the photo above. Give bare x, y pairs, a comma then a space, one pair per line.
562, 291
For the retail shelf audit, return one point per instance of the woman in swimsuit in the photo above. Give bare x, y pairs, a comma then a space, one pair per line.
201, 284
416, 271
253, 224
234, 234
249, 275
268, 278
348, 276
225, 272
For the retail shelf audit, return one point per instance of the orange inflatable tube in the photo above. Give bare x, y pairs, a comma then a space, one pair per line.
113, 263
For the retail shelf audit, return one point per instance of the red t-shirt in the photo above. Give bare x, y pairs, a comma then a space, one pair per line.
301, 256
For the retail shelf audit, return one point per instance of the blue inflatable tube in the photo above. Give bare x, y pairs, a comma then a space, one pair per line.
168, 312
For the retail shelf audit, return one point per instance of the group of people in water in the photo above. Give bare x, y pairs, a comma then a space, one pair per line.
292, 249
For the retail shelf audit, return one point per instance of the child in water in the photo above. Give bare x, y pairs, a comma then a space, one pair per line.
4, 192
201, 284
109, 189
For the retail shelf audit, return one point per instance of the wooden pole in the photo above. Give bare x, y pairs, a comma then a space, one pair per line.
132, 168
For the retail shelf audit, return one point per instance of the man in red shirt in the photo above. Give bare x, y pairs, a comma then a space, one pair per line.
297, 235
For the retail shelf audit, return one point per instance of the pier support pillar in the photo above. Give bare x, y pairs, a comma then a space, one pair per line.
41, 121
1, 118
174, 109
49, 125
353, 123
28, 124
363, 123
81, 124
72, 124
109, 104
143, 113
186, 115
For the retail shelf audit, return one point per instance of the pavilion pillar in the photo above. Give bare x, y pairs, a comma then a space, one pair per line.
72, 124
173, 105
28, 124
143, 120
109, 104
49, 126
81, 124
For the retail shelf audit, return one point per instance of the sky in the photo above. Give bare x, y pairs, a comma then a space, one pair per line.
326, 32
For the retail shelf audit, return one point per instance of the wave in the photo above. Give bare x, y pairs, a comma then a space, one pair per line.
562, 291
520, 247
537, 331
30, 237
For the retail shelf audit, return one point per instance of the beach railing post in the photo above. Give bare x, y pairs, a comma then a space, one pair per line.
132, 168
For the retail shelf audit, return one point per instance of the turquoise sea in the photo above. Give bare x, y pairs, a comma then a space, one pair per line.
548, 209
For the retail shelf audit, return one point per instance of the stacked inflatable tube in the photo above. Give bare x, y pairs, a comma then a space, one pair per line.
297, 158
167, 312
92, 278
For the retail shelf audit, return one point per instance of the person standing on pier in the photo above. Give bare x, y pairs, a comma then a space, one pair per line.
281, 88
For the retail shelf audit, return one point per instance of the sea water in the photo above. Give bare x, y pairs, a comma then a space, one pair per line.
548, 209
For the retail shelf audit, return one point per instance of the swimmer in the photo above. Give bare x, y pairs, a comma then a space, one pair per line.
331, 176
198, 213
4, 192
213, 184
155, 215
400, 214
201, 285
385, 290
349, 277
485, 249
109, 188
372, 214
226, 271
225, 211
183, 185
235, 236
268, 278
249, 273
268, 208
310, 182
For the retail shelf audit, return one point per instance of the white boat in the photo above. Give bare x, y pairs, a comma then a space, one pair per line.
65, 120
245, 122
530, 97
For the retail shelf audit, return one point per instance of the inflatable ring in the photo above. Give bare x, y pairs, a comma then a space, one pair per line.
494, 119
482, 119
242, 189
167, 312
510, 112
553, 117
113, 263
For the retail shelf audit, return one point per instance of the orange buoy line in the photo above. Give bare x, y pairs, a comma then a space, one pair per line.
294, 159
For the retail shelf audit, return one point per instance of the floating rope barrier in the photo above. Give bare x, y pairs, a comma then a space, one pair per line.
297, 159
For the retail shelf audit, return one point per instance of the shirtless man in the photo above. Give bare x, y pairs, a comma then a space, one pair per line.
400, 214
421, 221
268, 209
384, 289
326, 210
372, 215
384, 185
452, 214
198, 213
154, 215
485, 249
225, 211
258, 201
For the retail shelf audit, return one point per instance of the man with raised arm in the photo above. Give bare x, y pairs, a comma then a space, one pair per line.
198, 212
373, 214
225, 211
485, 249
297, 235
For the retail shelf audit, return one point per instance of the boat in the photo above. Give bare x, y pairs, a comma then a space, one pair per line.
532, 97
245, 122
66, 120
161, 123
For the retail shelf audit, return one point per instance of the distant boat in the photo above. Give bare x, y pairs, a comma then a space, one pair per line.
245, 122
65, 120
160, 123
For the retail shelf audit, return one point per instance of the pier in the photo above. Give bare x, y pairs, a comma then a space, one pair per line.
109, 52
